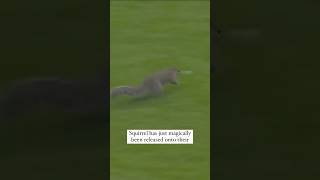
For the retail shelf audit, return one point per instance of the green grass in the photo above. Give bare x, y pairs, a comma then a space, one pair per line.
146, 37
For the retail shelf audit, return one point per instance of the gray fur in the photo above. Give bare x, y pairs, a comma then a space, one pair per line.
152, 85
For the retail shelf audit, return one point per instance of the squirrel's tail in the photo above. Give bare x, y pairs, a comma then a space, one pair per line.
127, 90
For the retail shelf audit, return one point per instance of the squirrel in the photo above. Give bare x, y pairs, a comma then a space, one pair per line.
152, 84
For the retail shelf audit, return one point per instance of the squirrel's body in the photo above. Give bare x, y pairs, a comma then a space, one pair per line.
151, 85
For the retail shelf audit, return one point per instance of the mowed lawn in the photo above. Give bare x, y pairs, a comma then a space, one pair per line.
147, 36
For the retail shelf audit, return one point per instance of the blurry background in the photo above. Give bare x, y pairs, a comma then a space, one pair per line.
147, 36
65, 39
266, 118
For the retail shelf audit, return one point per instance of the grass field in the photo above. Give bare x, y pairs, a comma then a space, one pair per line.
146, 37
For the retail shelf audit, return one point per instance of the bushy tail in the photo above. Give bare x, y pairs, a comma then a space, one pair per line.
127, 90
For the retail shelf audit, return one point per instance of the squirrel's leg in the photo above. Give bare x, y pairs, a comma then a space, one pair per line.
156, 89
175, 82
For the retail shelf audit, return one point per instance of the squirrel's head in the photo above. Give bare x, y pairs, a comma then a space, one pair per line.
173, 75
